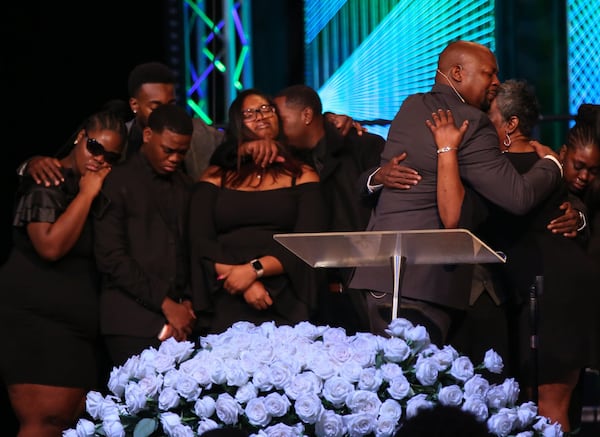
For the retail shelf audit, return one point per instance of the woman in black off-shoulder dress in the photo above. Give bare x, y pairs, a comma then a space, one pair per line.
239, 272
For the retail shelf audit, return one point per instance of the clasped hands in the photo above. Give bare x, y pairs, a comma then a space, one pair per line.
180, 316
241, 279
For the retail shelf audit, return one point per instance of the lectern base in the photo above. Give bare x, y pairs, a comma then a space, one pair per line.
435, 320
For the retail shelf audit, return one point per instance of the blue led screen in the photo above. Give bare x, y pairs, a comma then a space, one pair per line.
366, 56
583, 41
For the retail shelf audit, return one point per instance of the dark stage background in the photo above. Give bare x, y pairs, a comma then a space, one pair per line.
60, 65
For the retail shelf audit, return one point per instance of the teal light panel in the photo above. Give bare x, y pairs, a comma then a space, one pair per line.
583, 39
371, 54
318, 15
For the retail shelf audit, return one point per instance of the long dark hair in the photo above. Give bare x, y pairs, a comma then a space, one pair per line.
234, 169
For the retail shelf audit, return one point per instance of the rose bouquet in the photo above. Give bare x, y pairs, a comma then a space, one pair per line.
302, 380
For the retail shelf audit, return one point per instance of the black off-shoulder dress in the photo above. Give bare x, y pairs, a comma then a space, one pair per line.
48, 310
233, 227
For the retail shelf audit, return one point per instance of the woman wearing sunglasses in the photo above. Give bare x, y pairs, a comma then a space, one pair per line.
49, 313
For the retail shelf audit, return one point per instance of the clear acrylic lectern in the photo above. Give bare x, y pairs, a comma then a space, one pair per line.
394, 248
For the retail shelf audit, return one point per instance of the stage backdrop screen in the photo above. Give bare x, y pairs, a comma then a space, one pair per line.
364, 57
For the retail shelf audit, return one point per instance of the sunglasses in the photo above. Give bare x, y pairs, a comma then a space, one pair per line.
97, 149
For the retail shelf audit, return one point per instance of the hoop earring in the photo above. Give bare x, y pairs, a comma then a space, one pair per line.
507, 141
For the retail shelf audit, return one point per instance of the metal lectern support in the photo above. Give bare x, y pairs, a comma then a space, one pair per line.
535, 291
382, 248
398, 264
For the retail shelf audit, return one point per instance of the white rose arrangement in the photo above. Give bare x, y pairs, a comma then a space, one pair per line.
302, 380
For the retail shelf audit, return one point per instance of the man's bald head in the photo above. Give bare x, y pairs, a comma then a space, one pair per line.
471, 69
460, 52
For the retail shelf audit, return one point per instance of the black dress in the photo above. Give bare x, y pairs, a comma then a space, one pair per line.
568, 299
233, 227
49, 312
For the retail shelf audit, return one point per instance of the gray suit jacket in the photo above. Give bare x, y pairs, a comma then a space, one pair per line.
483, 168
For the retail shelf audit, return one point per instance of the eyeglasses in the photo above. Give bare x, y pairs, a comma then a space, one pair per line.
250, 114
97, 149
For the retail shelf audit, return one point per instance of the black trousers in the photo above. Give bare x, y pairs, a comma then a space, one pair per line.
437, 319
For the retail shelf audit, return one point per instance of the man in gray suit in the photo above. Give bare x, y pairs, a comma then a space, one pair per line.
465, 82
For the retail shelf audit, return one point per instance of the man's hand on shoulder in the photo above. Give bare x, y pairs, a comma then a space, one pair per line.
546, 152
344, 123
45, 170
394, 175
542, 150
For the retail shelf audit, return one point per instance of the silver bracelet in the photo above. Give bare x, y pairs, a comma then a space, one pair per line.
446, 149
583, 221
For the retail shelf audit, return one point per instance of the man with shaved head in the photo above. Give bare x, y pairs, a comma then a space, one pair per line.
466, 81
473, 67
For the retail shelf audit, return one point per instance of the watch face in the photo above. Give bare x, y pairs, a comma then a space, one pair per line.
257, 265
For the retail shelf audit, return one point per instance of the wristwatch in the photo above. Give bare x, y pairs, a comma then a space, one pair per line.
258, 267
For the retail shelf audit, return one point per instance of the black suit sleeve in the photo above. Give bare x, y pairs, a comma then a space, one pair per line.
113, 248
204, 247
